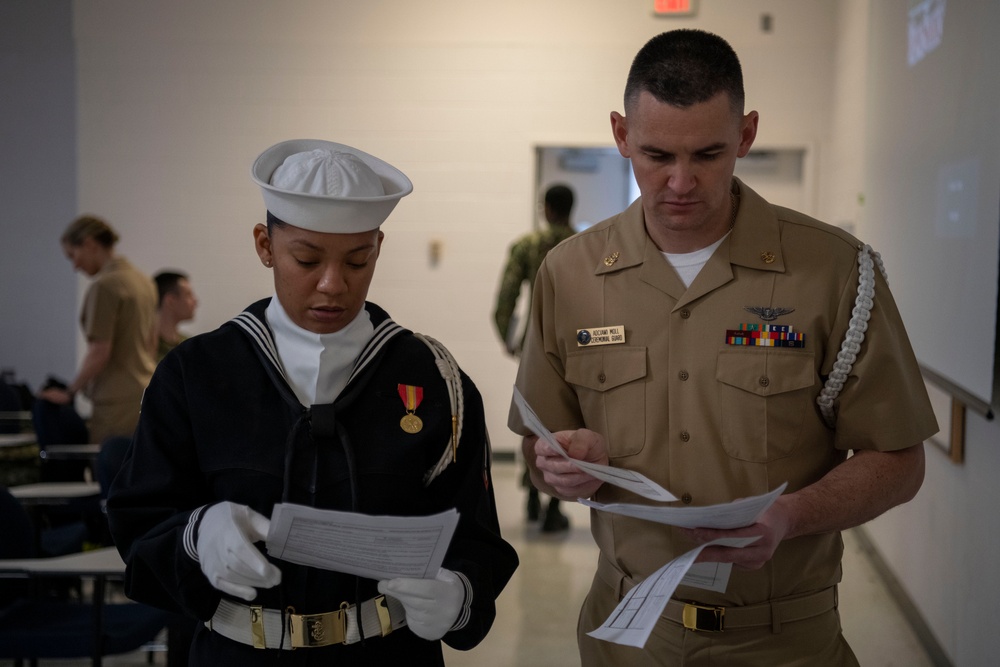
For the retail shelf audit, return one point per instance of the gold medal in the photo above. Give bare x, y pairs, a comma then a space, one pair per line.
411, 396
411, 423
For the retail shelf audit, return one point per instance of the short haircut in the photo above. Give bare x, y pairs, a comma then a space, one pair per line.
89, 226
560, 199
274, 222
166, 283
686, 67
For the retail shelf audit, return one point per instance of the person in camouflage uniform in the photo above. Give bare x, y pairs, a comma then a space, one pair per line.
526, 255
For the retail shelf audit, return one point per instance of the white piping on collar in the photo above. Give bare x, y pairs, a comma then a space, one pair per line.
261, 335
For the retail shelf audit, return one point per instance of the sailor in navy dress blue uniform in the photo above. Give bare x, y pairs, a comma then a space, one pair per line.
314, 396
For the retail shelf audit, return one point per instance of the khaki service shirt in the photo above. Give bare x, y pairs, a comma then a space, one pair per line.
120, 306
713, 422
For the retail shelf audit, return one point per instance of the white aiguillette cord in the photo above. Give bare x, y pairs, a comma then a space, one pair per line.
855, 335
449, 370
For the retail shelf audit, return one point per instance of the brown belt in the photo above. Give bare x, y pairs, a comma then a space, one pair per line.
772, 613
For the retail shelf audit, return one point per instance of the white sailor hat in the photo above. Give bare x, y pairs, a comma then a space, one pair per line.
328, 187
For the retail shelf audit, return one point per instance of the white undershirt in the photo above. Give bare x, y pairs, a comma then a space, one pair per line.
689, 264
317, 366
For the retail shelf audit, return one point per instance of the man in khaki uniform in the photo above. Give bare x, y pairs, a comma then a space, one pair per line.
177, 303
707, 412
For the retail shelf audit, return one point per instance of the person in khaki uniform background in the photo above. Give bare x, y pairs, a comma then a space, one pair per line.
698, 257
118, 319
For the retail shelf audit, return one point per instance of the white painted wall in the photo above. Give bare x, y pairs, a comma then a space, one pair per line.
943, 546
176, 99
841, 161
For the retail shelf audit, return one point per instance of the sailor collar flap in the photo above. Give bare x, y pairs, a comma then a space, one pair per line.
253, 322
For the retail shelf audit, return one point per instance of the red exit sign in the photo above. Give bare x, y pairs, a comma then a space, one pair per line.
674, 7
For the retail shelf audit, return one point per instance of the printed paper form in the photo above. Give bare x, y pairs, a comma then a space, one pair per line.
375, 547
710, 576
636, 615
737, 514
627, 479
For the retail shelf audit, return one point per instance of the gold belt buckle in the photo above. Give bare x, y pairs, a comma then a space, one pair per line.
257, 626
311, 630
382, 609
705, 619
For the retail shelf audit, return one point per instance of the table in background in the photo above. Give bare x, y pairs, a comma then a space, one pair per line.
69, 452
17, 439
55, 493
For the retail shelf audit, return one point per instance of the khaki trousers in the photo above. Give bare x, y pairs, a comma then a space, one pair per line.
813, 642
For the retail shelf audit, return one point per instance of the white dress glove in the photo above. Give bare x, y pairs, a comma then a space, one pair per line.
227, 553
432, 605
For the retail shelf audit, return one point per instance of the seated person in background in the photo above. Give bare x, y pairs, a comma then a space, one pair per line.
177, 304
313, 396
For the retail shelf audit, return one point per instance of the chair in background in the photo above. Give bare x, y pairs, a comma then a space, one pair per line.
59, 425
110, 460
10, 404
33, 628
18, 542
67, 528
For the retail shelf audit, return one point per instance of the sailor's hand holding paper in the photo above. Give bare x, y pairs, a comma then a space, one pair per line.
432, 605
226, 551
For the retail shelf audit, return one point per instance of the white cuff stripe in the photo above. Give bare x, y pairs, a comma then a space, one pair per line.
466, 611
190, 546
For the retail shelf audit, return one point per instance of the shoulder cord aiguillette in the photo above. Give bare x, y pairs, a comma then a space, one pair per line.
849, 349
452, 375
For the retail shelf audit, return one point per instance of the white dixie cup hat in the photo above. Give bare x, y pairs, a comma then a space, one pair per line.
328, 187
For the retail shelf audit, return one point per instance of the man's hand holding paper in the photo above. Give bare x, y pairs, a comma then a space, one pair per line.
570, 480
575, 463
771, 527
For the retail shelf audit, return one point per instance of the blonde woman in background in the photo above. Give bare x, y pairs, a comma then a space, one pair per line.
118, 319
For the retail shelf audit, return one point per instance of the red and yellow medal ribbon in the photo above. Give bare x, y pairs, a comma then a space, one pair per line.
412, 396
411, 399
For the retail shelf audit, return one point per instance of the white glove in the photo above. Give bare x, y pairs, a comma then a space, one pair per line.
432, 605
227, 553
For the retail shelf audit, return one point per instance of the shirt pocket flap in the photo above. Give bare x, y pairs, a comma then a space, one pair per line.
766, 372
601, 370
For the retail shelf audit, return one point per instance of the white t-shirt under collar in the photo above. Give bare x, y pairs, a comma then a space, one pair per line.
689, 264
